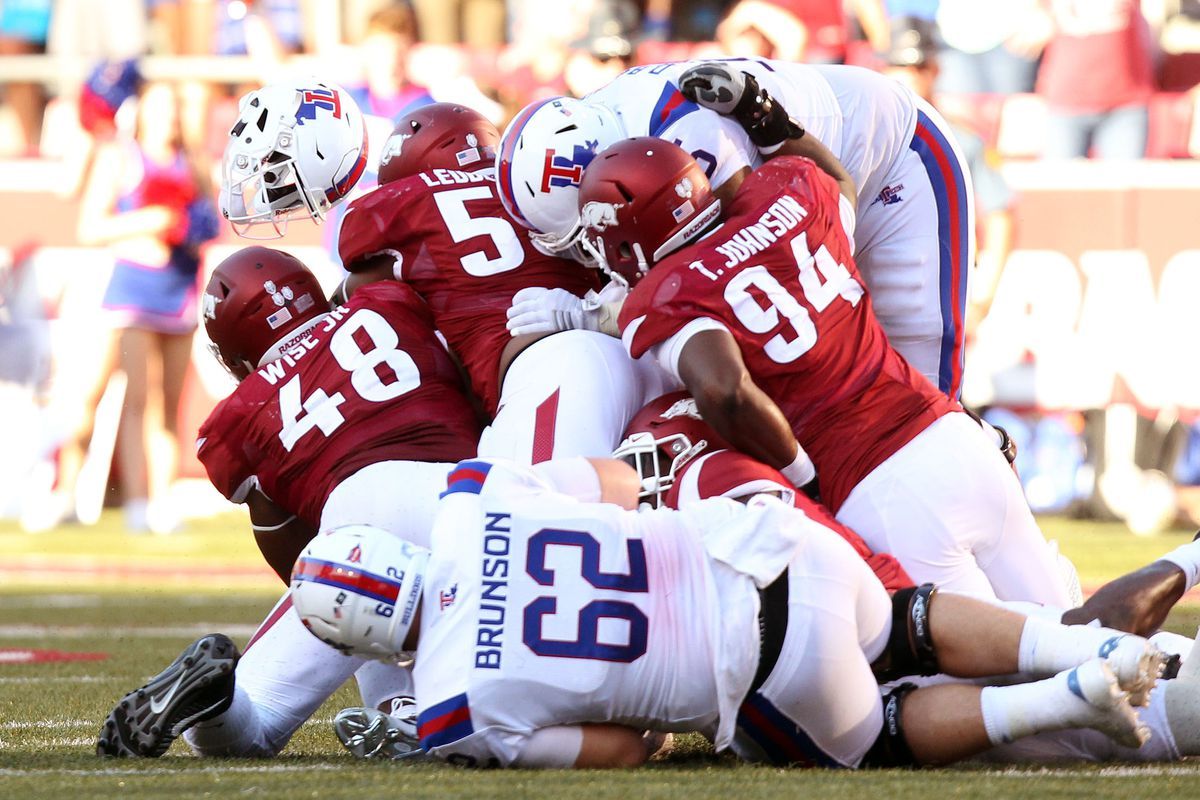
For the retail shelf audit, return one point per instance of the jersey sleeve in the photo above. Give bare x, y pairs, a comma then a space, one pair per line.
221, 454
379, 222
718, 144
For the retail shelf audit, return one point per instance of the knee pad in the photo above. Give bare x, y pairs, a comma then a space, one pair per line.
910, 649
891, 749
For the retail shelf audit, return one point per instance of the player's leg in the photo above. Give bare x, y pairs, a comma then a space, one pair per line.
570, 394
283, 676
917, 247
399, 497
819, 705
948, 507
135, 349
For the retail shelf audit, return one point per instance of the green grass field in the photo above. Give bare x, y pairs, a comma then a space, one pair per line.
141, 599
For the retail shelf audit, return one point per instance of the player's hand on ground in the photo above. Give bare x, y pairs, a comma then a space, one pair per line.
715, 86
538, 310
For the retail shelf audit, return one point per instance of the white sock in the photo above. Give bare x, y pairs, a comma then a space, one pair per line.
236, 732
1187, 558
1013, 712
1048, 648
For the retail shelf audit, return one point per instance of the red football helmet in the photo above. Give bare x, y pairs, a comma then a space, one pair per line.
438, 136
662, 439
640, 200
258, 302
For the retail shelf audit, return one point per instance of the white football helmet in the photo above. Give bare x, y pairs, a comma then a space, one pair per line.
358, 589
543, 153
297, 149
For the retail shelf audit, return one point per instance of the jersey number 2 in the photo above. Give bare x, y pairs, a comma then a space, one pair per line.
320, 410
587, 643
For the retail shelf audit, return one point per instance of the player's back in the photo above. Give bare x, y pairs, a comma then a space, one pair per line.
543, 611
370, 383
780, 275
459, 249
866, 119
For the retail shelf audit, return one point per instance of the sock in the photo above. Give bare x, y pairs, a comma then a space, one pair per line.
1187, 558
1048, 648
237, 732
1013, 712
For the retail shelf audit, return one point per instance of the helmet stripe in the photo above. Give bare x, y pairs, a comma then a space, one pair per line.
508, 148
330, 573
347, 183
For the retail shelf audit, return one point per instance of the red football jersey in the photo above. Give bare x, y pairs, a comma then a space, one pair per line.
370, 383
780, 277
728, 473
462, 252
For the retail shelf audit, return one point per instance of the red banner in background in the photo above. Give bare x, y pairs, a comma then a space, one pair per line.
1098, 300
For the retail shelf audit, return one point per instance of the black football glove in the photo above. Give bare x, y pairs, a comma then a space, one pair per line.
736, 94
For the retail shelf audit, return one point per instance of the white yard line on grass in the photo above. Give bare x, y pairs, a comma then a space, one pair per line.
180, 770
56, 679
130, 632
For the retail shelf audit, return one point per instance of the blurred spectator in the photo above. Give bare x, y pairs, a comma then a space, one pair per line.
387, 90
1097, 76
990, 46
912, 59
24, 27
476, 23
814, 31
606, 51
149, 201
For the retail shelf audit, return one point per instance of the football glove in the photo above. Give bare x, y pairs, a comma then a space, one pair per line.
733, 93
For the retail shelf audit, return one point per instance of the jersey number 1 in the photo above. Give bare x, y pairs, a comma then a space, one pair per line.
320, 410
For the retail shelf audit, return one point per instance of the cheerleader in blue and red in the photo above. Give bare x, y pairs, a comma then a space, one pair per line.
149, 202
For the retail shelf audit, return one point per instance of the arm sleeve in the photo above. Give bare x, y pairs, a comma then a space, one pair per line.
557, 746
226, 469
667, 352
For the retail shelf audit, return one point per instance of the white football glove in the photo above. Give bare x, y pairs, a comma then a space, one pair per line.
538, 310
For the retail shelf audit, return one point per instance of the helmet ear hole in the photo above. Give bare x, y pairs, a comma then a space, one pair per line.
624, 250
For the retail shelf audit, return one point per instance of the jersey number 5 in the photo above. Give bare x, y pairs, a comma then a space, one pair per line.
322, 411
462, 226
587, 642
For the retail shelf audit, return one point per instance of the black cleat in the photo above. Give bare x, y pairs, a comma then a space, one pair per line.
197, 686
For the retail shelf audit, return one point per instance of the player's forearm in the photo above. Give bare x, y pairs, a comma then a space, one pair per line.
748, 420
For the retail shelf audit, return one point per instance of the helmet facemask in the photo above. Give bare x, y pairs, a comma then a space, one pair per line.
260, 194
658, 462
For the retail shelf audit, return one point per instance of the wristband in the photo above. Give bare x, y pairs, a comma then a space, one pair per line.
801, 470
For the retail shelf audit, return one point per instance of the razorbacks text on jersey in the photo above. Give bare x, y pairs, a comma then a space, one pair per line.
458, 248
779, 276
370, 383
539, 610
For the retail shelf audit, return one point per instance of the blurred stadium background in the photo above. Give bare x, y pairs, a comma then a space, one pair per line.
1079, 116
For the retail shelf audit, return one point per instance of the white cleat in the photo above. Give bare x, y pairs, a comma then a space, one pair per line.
1110, 712
1136, 662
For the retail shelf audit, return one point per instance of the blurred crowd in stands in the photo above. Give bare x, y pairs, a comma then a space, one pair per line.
149, 88
1060, 78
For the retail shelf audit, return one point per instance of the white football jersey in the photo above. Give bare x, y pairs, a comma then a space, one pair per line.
540, 611
865, 118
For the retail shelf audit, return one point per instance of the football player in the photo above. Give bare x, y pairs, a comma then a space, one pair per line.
436, 224
768, 324
551, 632
341, 416
680, 460
915, 234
